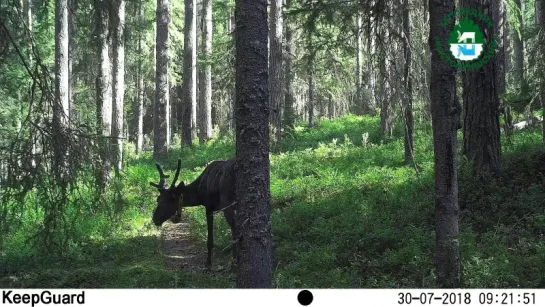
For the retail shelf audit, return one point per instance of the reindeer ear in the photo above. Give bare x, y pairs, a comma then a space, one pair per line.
180, 187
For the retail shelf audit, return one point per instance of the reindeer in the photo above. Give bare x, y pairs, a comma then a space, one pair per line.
214, 189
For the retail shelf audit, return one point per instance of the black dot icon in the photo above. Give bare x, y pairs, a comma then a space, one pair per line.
305, 297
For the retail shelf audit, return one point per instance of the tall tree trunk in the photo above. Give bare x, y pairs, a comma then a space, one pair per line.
275, 67
360, 103
330, 106
481, 102
118, 83
445, 123
169, 111
408, 93
140, 82
160, 119
289, 102
61, 105
370, 72
72, 28
518, 49
179, 107
155, 49
505, 65
27, 9
311, 80
311, 91
205, 93
173, 107
518, 76
540, 23
252, 182
231, 114
499, 18
60, 140
382, 97
104, 90
189, 100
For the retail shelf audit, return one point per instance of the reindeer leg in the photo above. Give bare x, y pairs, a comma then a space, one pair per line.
230, 217
235, 243
176, 218
210, 224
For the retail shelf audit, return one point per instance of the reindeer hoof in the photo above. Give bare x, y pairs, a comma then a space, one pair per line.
176, 219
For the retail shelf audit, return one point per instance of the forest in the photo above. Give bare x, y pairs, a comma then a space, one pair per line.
367, 144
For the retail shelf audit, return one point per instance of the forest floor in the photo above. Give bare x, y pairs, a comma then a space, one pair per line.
346, 213
179, 250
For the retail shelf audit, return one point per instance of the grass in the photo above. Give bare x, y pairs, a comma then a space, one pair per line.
346, 214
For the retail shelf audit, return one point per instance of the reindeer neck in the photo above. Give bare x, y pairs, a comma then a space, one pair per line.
191, 198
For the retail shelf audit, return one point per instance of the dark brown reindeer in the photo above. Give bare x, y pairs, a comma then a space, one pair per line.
214, 189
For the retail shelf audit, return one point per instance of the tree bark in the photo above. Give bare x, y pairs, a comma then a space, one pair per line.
370, 73
481, 102
499, 19
140, 82
118, 83
382, 97
72, 28
27, 9
254, 261
231, 112
275, 67
330, 106
206, 79
540, 23
408, 95
61, 105
360, 103
445, 123
161, 114
30, 21
104, 89
518, 49
189, 107
311, 80
311, 91
505, 54
289, 100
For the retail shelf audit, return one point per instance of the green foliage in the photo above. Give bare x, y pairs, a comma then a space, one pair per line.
346, 213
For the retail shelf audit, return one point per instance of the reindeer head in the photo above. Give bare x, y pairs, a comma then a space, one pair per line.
168, 199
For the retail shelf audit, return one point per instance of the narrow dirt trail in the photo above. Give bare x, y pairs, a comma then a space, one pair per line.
177, 248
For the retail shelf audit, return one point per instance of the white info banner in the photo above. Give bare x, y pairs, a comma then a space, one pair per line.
273, 297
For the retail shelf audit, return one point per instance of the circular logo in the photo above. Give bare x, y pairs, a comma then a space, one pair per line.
467, 47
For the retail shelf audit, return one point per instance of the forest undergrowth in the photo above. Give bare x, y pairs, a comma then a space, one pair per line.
346, 213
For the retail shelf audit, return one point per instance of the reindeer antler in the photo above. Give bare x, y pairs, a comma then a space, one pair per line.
173, 184
162, 176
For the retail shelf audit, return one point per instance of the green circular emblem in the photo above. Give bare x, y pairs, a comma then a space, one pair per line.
466, 48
